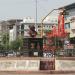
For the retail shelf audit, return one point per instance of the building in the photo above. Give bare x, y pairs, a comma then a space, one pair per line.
12, 34
70, 19
9, 26
14, 28
70, 28
4, 29
24, 27
48, 23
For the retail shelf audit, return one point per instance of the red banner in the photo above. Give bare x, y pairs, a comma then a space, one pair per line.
60, 31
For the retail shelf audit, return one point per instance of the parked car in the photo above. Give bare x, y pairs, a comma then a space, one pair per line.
24, 53
2, 53
11, 53
18, 54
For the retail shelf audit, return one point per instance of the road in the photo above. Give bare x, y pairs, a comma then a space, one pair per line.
16, 73
33, 74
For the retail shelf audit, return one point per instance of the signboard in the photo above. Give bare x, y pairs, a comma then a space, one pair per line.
72, 29
47, 54
68, 46
47, 65
65, 65
19, 65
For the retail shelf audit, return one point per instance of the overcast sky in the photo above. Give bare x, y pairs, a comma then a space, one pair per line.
23, 8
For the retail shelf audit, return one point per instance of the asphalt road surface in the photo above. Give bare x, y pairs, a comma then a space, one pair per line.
33, 74
10, 73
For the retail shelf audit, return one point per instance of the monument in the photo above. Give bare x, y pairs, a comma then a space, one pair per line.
33, 45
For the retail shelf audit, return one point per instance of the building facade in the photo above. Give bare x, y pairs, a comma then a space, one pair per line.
70, 19
48, 22
24, 27
8, 27
70, 28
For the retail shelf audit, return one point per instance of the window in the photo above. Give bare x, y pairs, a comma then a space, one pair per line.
39, 26
22, 26
67, 26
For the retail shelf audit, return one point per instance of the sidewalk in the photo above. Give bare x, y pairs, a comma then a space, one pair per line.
38, 72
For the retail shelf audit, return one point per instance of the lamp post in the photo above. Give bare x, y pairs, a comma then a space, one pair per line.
44, 19
42, 25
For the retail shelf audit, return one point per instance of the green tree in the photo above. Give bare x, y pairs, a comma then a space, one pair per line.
16, 44
1, 47
5, 41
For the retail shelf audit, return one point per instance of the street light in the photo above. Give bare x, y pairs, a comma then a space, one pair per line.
43, 20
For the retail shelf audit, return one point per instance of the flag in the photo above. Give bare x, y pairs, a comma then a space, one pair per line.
61, 29
59, 25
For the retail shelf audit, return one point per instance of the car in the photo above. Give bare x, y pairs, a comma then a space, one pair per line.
24, 53
3, 53
18, 54
11, 53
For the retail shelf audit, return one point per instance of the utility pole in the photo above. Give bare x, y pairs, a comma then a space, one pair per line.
36, 16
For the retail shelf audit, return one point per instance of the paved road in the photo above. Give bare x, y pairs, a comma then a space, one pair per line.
35, 74
10, 73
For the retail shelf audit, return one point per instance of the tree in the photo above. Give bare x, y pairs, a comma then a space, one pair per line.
1, 47
5, 41
17, 44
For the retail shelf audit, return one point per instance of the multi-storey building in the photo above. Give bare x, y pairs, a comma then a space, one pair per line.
16, 27
3, 29
48, 23
24, 27
70, 28
70, 19
10, 26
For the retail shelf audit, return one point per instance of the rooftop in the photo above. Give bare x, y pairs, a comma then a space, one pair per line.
68, 7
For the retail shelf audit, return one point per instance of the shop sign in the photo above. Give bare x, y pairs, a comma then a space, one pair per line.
47, 54
47, 65
68, 46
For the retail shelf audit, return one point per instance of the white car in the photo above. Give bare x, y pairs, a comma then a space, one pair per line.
11, 53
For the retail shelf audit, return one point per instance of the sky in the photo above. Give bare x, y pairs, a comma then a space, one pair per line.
10, 9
